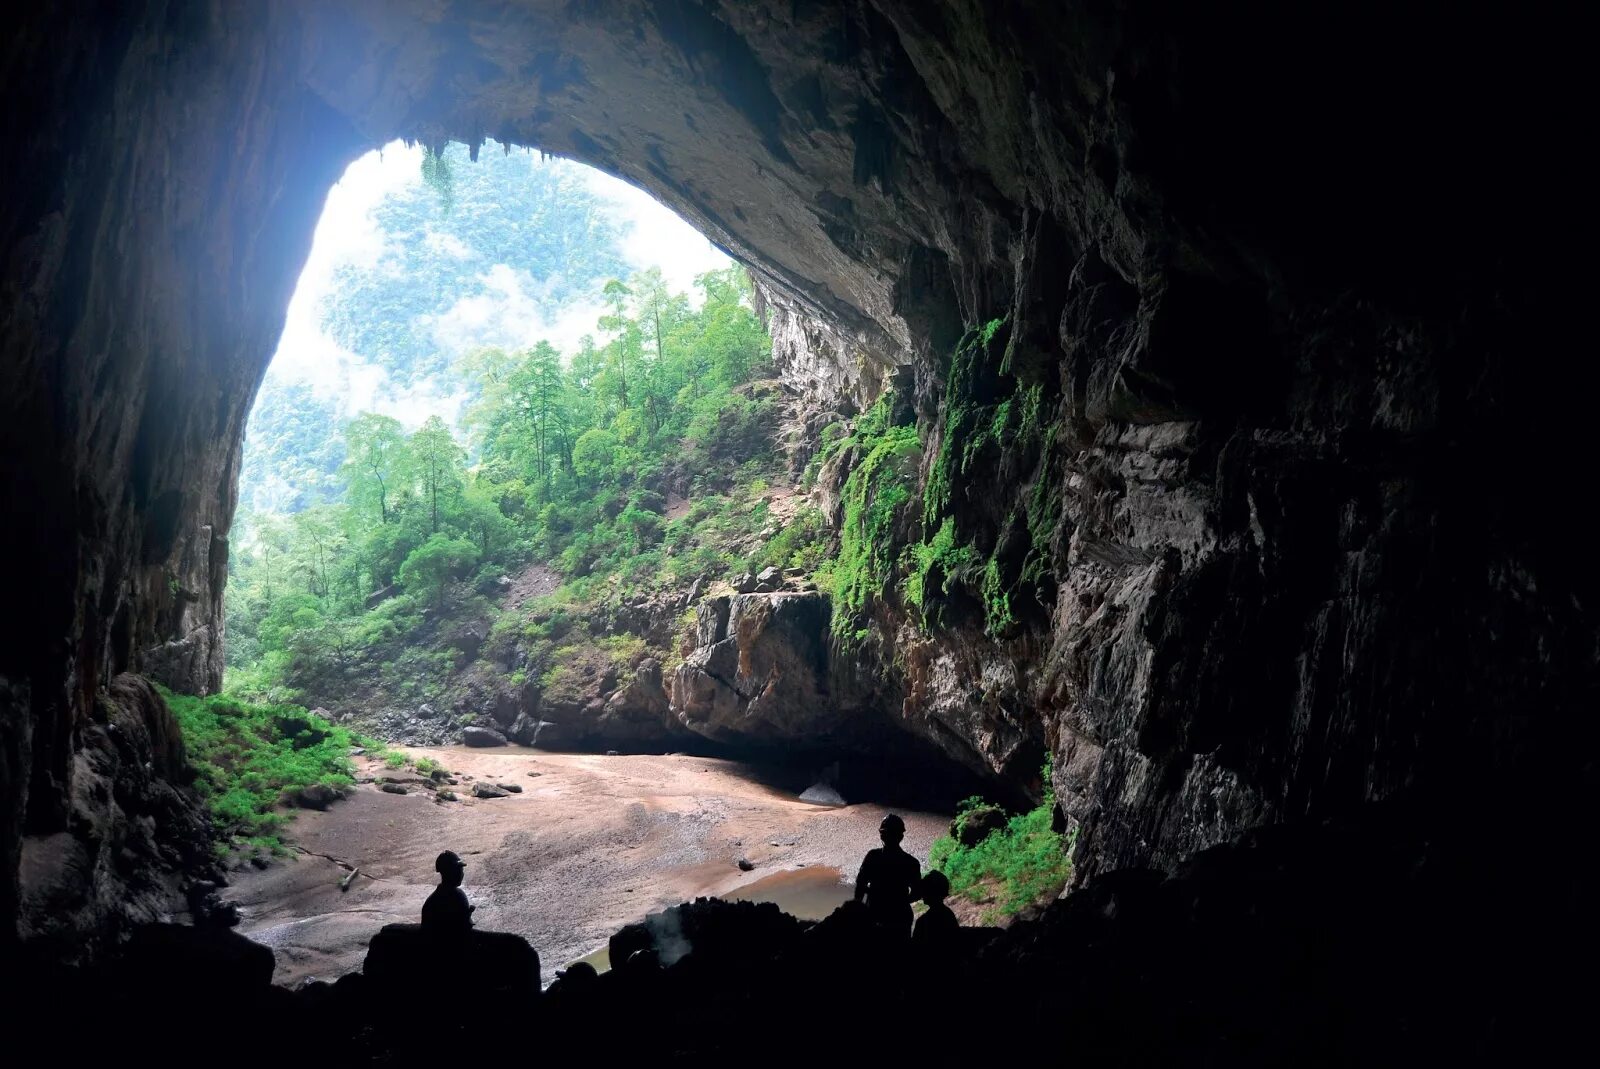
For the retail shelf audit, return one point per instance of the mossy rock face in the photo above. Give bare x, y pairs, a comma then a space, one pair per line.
976, 824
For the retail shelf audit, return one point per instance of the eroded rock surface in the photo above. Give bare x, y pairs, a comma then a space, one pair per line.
136, 848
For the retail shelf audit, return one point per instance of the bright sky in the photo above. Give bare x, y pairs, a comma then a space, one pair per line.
504, 315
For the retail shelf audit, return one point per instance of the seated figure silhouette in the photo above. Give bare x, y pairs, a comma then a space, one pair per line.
504, 966
937, 929
447, 912
889, 880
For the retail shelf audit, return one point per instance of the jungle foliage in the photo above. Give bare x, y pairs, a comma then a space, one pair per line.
564, 460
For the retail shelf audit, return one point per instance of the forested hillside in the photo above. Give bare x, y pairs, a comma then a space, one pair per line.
575, 458
542, 531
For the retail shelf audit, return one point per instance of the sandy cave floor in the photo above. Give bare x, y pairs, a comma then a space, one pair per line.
593, 843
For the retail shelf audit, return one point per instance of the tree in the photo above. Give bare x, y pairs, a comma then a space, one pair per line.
439, 462
377, 460
431, 565
593, 453
535, 389
481, 516
316, 539
625, 349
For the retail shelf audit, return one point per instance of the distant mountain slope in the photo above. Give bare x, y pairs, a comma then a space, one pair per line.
492, 252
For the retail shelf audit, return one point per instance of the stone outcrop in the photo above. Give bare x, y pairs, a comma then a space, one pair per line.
499, 963
476, 736
1291, 317
761, 669
136, 846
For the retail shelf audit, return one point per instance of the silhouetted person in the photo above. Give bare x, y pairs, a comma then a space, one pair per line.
889, 880
937, 930
447, 911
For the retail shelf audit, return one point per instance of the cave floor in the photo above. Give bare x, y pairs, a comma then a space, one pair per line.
592, 843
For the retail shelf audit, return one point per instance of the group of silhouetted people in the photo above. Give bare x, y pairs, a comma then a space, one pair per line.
889, 882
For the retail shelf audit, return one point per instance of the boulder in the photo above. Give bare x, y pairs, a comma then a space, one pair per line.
504, 708
393, 788
768, 580
771, 679
483, 789
317, 796
504, 968
378, 597
977, 824
514, 788
822, 794
196, 961
711, 621
482, 737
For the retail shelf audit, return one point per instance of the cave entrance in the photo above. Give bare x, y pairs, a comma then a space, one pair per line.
462, 321
521, 523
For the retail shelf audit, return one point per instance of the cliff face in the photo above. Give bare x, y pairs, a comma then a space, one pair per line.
1282, 531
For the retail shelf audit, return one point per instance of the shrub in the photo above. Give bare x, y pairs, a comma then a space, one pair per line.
247, 756
1015, 867
874, 493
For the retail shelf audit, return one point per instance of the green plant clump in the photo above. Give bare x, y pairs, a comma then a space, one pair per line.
1011, 423
876, 489
1014, 867
248, 756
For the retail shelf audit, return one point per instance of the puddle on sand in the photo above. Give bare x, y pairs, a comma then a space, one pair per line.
810, 893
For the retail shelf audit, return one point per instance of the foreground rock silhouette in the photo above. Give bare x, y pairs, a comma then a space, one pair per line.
1314, 945
492, 964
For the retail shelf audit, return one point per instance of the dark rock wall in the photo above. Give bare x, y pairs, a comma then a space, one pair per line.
165, 173
1290, 282
135, 847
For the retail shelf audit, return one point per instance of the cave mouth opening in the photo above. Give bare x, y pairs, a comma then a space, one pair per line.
521, 421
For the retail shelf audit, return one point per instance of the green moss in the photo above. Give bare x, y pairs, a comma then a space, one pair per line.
877, 489
1012, 419
997, 614
943, 552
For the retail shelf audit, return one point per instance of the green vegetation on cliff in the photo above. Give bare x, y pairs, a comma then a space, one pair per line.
992, 415
248, 757
881, 482
1013, 867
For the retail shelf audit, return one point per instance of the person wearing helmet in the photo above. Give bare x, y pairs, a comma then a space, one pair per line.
447, 911
889, 880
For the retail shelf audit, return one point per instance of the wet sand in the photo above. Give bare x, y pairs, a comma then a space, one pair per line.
591, 844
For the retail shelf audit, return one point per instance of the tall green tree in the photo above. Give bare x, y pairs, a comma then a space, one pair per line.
440, 466
624, 351
377, 461
431, 565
